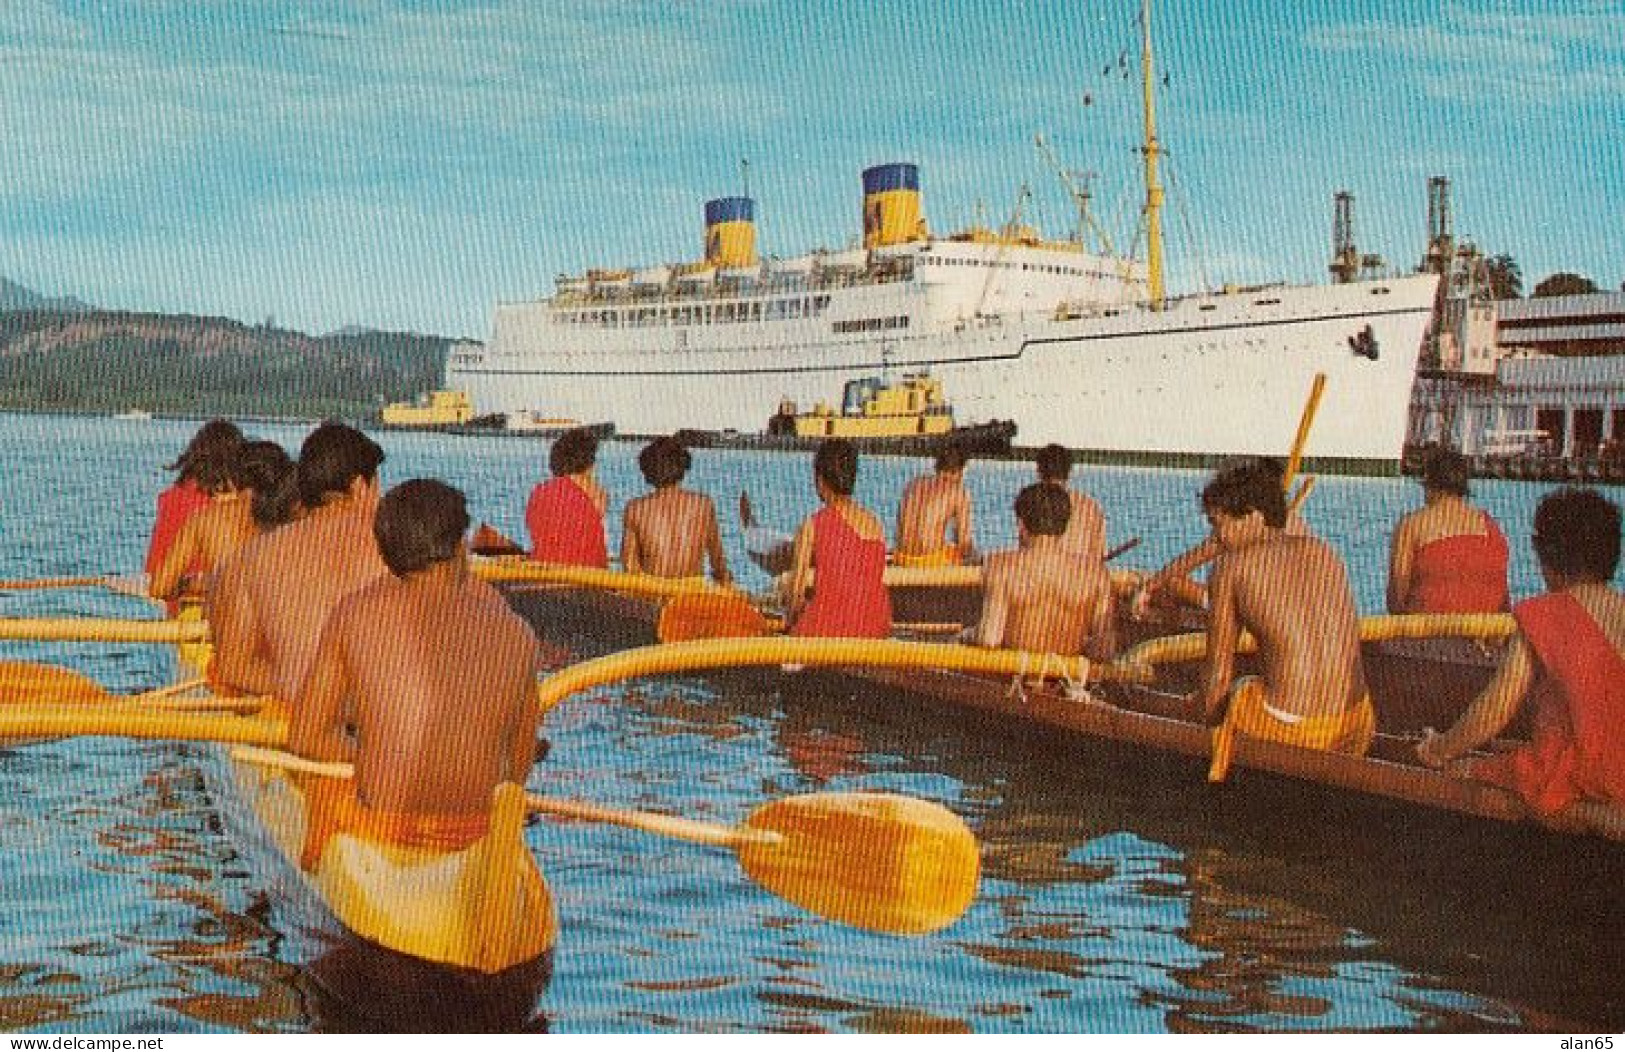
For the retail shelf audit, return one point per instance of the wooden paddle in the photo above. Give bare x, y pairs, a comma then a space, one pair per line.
875, 861
1305, 421
29, 683
102, 630
31, 584
125, 584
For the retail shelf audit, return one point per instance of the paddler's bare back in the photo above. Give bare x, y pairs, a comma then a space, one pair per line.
298, 575
1086, 531
1051, 604
1312, 666
669, 532
931, 507
438, 734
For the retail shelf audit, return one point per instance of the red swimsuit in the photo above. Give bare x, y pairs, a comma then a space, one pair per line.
1576, 750
1464, 574
849, 594
565, 525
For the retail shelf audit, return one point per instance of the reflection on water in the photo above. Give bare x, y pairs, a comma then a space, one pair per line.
360, 986
1119, 891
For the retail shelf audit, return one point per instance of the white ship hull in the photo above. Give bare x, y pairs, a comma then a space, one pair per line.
1207, 376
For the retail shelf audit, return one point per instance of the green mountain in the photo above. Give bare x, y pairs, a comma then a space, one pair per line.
106, 360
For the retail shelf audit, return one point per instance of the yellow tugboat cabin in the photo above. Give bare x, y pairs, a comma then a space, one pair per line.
875, 408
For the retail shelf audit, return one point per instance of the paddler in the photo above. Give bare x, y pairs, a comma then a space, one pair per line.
1086, 529
933, 507
200, 468
1173, 581
1292, 593
672, 531
268, 612
426, 680
1447, 557
1567, 659
846, 544
257, 472
1046, 596
565, 514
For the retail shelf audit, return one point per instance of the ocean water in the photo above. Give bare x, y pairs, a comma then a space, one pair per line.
1119, 892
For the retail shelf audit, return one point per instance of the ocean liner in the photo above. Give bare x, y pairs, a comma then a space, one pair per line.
1076, 346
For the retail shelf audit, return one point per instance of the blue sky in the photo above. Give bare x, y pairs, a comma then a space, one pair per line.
407, 163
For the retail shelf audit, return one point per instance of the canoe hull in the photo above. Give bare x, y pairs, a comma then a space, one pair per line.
421, 903
1156, 718
485, 909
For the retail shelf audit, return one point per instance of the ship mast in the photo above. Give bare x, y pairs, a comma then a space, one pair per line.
1153, 188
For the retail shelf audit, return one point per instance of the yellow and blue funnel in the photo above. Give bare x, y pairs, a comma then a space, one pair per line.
730, 232
891, 205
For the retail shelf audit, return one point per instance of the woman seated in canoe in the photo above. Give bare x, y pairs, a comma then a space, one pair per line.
1567, 658
255, 474
846, 545
565, 514
1447, 557
201, 469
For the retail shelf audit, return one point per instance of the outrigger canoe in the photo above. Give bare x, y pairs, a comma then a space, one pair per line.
484, 909
1132, 711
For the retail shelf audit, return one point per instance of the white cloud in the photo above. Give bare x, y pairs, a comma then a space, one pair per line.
1498, 58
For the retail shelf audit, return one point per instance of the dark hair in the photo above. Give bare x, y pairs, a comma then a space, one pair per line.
265, 469
573, 452
419, 523
212, 437
332, 457
1054, 463
951, 456
664, 462
1446, 470
1044, 508
275, 506
258, 465
1577, 534
206, 459
1252, 485
836, 463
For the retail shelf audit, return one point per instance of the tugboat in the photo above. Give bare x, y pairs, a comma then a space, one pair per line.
907, 416
437, 409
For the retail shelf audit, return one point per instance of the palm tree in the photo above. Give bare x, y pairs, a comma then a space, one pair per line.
1564, 283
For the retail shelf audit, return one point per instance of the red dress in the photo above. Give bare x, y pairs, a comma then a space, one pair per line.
849, 593
565, 525
1576, 750
175, 505
1464, 574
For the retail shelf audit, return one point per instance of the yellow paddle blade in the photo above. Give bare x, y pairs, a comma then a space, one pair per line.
872, 860
709, 615
25, 682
